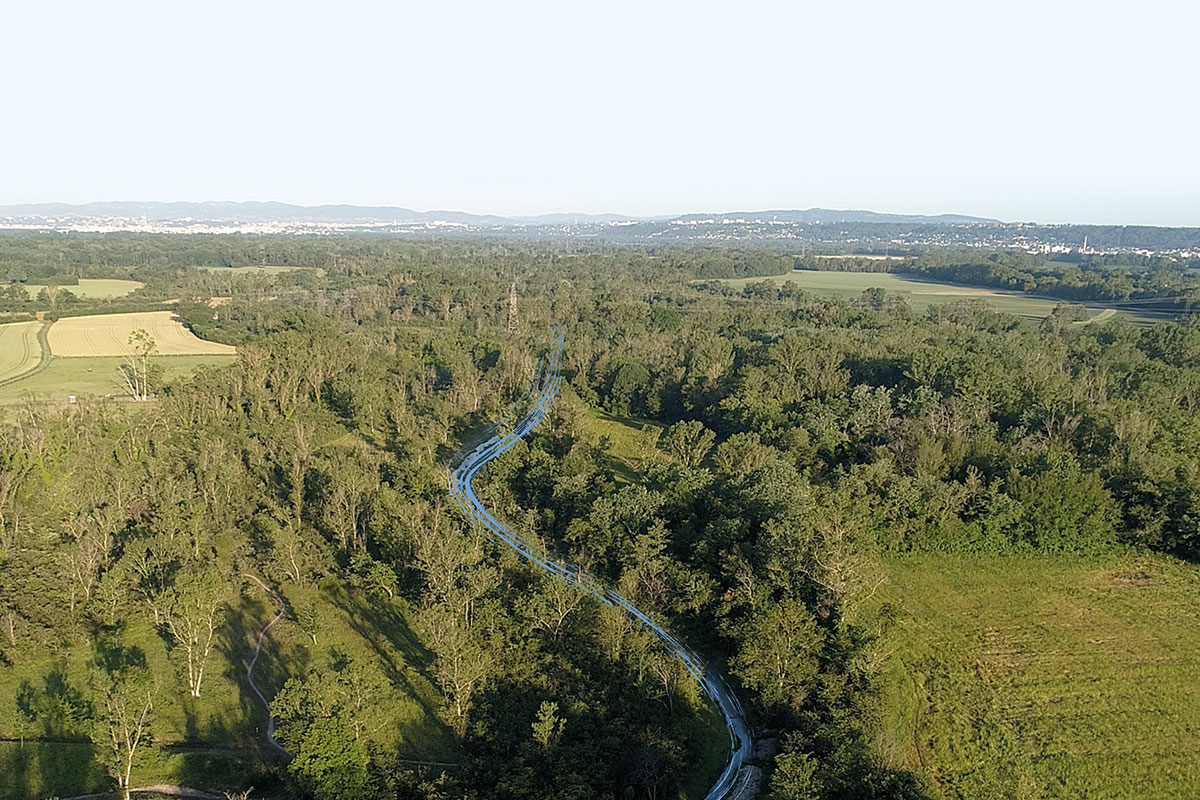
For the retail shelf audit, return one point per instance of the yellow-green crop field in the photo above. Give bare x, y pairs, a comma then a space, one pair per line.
108, 335
1043, 677
20, 350
92, 287
86, 353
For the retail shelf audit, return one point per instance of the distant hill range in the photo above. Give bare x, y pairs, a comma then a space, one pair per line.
791, 230
828, 216
253, 211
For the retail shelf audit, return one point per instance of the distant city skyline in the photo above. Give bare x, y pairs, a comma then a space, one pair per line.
1047, 112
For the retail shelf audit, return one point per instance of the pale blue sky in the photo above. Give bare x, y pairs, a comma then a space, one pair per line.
1025, 110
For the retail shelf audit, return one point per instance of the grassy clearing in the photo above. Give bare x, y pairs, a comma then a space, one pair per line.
93, 288
217, 741
625, 440
1044, 677
259, 270
35, 769
220, 719
20, 350
923, 294
108, 335
376, 629
95, 377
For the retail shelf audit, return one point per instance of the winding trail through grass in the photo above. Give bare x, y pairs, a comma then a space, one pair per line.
520, 419
257, 650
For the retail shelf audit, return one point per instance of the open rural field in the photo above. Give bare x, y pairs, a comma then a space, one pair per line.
924, 294
1044, 677
96, 377
93, 287
108, 335
20, 350
259, 270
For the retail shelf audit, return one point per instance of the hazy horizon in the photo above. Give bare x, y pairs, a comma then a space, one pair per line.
487, 212
569, 212
1055, 113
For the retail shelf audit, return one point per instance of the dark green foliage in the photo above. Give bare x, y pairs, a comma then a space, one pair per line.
330, 764
627, 390
1154, 286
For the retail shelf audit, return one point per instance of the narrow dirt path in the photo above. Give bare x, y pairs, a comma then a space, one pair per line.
158, 788
258, 650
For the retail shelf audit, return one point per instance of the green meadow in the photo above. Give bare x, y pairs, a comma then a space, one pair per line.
1042, 677
92, 288
95, 377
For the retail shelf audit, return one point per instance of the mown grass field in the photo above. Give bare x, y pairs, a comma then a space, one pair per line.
95, 377
20, 350
108, 335
923, 294
1043, 677
217, 741
93, 287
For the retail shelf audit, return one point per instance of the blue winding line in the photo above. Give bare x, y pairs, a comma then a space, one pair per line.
518, 421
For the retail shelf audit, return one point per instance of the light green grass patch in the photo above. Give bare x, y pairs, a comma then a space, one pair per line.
924, 294
1047, 677
92, 288
95, 377
627, 441
378, 630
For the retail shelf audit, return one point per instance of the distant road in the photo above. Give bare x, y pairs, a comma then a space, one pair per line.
511, 428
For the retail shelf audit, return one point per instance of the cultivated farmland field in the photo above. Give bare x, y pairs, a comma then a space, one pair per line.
1044, 677
95, 377
20, 350
108, 335
92, 287
923, 294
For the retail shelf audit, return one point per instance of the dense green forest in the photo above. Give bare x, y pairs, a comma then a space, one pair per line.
741, 466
